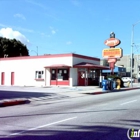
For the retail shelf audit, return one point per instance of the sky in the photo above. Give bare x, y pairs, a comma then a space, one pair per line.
70, 26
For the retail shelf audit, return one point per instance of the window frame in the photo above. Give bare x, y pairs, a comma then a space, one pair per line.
39, 75
61, 74
53, 75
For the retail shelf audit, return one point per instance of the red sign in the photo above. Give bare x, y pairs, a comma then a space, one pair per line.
112, 60
111, 42
112, 53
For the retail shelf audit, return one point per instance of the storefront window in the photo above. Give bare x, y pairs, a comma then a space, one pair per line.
53, 74
91, 74
63, 74
39, 74
60, 74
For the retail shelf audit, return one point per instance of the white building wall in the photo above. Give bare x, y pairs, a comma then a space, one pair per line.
25, 69
7, 79
73, 77
48, 76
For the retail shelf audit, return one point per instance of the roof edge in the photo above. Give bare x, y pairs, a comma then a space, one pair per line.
51, 56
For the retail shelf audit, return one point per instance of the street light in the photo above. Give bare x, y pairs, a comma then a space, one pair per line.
132, 43
35, 51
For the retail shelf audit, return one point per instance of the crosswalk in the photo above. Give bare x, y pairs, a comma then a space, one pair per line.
47, 98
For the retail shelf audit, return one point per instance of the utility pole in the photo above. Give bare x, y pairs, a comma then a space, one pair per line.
37, 50
132, 43
132, 55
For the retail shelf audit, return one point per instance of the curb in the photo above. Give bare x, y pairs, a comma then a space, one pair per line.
13, 102
100, 92
133, 88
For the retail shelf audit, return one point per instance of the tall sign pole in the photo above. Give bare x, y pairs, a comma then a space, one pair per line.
112, 54
131, 63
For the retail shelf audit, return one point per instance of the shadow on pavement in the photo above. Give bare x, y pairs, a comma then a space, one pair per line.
94, 131
22, 94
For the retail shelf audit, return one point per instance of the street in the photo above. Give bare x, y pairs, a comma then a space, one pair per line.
88, 117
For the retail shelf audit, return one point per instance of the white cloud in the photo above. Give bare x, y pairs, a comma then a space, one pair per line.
11, 34
53, 31
17, 28
49, 12
44, 35
76, 3
37, 4
24, 29
69, 42
20, 16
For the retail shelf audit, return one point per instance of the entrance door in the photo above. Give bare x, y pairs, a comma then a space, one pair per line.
12, 78
53, 80
2, 78
81, 78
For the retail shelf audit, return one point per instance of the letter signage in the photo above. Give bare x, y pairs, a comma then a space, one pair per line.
112, 53
111, 42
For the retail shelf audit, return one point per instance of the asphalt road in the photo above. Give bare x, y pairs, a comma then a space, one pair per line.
90, 117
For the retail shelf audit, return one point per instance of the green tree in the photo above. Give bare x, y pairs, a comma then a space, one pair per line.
12, 48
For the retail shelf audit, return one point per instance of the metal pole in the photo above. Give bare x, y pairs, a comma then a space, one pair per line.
37, 50
132, 45
132, 53
137, 66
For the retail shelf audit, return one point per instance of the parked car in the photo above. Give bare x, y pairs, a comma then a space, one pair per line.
127, 79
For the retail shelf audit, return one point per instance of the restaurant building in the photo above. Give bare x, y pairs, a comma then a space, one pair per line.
50, 70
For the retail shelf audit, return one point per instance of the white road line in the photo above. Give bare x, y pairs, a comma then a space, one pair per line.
128, 102
35, 128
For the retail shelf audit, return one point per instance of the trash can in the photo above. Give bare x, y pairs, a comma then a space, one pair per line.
105, 85
110, 84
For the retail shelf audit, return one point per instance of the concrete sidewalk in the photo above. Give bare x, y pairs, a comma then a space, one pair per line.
46, 93
53, 92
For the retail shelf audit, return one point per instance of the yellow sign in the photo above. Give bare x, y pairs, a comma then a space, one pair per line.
112, 53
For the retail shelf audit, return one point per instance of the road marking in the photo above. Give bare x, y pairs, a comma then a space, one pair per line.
35, 128
128, 102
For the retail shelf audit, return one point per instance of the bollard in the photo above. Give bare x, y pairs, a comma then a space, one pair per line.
118, 84
128, 83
